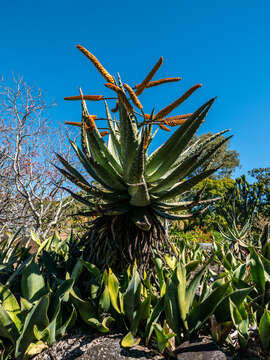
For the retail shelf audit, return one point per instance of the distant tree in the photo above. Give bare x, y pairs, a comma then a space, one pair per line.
213, 188
227, 159
30, 186
262, 175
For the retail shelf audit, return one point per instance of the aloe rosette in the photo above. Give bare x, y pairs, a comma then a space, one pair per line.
137, 189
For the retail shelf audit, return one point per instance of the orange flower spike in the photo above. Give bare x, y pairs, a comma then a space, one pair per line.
115, 109
97, 64
160, 82
121, 95
79, 124
147, 116
163, 127
149, 77
90, 123
85, 97
178, 117
175, 122
133, 96
164, 112
104, 133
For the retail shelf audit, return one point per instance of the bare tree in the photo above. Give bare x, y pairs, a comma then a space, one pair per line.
30, 188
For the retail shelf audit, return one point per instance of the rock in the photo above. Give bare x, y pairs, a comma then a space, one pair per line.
203, 350
109, 349
91, 347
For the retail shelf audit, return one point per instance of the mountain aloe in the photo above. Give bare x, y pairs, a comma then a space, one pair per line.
136, 189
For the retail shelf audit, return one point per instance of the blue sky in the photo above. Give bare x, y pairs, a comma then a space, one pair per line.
222, 44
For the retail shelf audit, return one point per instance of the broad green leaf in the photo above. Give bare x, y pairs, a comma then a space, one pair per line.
181, 291
113, 286
264, 329
162, 337
153, 318
257, 270
37, 316
160, 274
104, 300
206, 308
32, 285
35, 237
132, 296
61, 331
10, 305
35, 348
129, 340
171, 305
8, 329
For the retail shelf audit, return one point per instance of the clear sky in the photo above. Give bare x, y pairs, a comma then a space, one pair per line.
222, 44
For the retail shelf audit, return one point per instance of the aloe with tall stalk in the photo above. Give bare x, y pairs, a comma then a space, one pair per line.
137, 189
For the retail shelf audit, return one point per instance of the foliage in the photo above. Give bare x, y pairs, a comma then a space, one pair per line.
192, 236
262, 175
185, 294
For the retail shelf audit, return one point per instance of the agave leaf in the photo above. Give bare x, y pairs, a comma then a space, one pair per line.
132, 297
222, 312
209, 153
197, 148
189, 165
61, 331
113, 137
194, 283
18, 270
8, 329
170, 151
171, 304
71, 170
177, 175
137, 168
79, 198
84, 161
32, 284
165, 215
10, 305
113, 286
153, 318
183, 303
129, 340
104, 300
37, 316
206, 308
264, 329
162, 337
75, 181
257, 270
187, 185
97, 146
112, 181
164, 207
131, 144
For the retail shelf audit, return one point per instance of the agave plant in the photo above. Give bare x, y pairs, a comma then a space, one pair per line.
136, 189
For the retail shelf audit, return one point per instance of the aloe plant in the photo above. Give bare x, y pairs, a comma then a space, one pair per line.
137, 189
